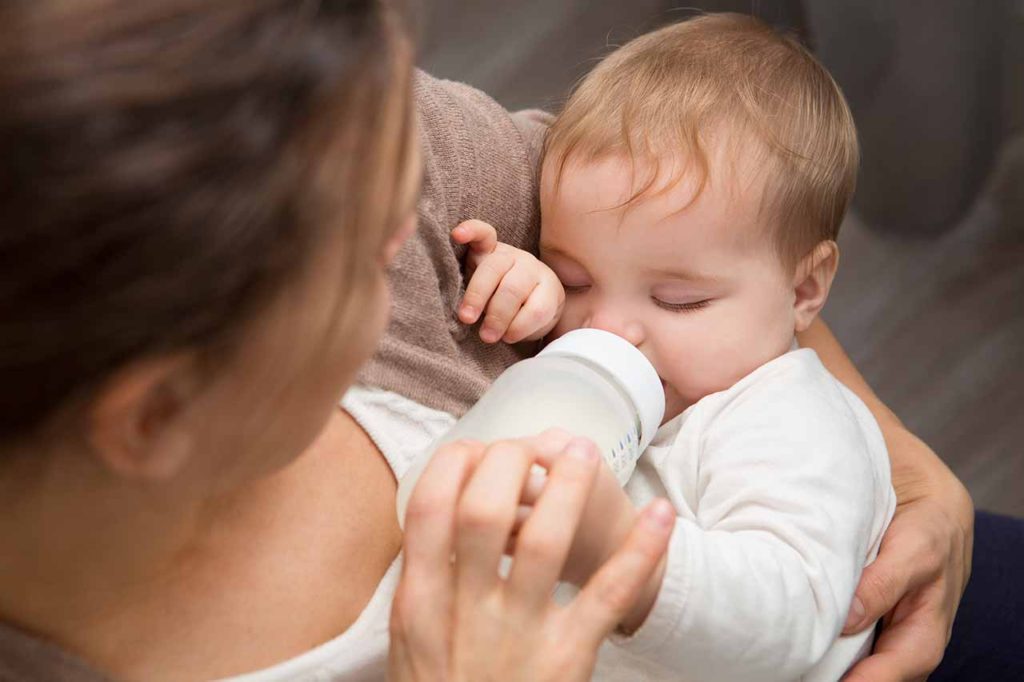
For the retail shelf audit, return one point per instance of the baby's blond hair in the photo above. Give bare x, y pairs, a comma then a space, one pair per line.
666, 94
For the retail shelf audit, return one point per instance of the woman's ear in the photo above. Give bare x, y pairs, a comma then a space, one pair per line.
135, 424
813, 280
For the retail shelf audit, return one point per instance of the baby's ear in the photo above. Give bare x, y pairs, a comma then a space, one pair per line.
812, 281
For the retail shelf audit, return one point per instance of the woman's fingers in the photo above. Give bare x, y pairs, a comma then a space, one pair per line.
476, 626
487, 513
549, 444
547, 534
611, 592
921, 570
910, 647
917, 580
548, 447
424, 596
910, 556
428, 542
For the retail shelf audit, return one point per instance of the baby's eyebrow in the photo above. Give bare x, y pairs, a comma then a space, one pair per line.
685, 275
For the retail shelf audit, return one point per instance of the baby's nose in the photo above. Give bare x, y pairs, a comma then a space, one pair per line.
629, 329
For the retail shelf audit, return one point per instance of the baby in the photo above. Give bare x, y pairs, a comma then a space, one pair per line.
691, 194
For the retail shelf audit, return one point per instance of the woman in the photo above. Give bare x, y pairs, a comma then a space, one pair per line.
199, 202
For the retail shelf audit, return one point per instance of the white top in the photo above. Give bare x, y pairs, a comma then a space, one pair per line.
783, 493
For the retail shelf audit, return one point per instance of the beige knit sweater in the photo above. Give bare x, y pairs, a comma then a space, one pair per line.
480, 163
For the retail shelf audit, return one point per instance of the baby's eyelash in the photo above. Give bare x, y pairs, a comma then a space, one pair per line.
575, 289
681, 307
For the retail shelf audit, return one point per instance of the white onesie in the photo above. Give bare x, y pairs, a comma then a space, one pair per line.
782, 488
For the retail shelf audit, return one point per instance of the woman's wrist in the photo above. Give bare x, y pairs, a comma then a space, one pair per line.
917, 471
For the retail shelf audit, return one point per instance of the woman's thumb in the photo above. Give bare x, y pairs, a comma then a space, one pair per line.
882, 585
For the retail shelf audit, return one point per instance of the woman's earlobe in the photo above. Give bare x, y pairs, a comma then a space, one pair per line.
134, 424
813, 281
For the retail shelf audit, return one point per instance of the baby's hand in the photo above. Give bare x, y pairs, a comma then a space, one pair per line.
522, 297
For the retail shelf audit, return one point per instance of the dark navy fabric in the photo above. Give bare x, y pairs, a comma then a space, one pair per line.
988, 634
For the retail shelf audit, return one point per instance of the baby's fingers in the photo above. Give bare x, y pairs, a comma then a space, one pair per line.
482, 285
481, 237
515, 288
539, 314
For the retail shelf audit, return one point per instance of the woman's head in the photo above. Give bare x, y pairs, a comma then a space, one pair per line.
197, 202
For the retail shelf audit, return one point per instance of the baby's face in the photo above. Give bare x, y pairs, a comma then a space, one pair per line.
699, 288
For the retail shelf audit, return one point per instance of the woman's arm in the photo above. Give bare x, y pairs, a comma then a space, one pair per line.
925, 559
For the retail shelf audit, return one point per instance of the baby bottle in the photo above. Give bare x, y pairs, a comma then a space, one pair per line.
588, 382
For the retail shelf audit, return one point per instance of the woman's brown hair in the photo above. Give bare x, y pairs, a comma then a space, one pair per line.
166, 166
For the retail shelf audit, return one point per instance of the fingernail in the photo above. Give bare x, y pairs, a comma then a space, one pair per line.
489, 335
467, 311
581, 449
856, 614
659, 514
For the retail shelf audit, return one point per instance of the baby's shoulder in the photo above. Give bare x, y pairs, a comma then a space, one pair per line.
789, 415
795, 392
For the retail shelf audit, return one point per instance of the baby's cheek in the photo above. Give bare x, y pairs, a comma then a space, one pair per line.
695, 370
569, 320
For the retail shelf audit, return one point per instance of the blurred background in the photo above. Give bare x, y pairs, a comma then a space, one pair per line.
929, 300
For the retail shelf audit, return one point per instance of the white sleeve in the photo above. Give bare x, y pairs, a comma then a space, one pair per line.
759, 581
401, 428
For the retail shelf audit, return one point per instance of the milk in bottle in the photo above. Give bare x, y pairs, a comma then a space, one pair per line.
588, 382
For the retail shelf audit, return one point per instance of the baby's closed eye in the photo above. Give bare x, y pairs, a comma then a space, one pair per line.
684, 306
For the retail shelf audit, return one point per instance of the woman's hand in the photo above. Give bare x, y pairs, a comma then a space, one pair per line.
921, 570
456, 619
